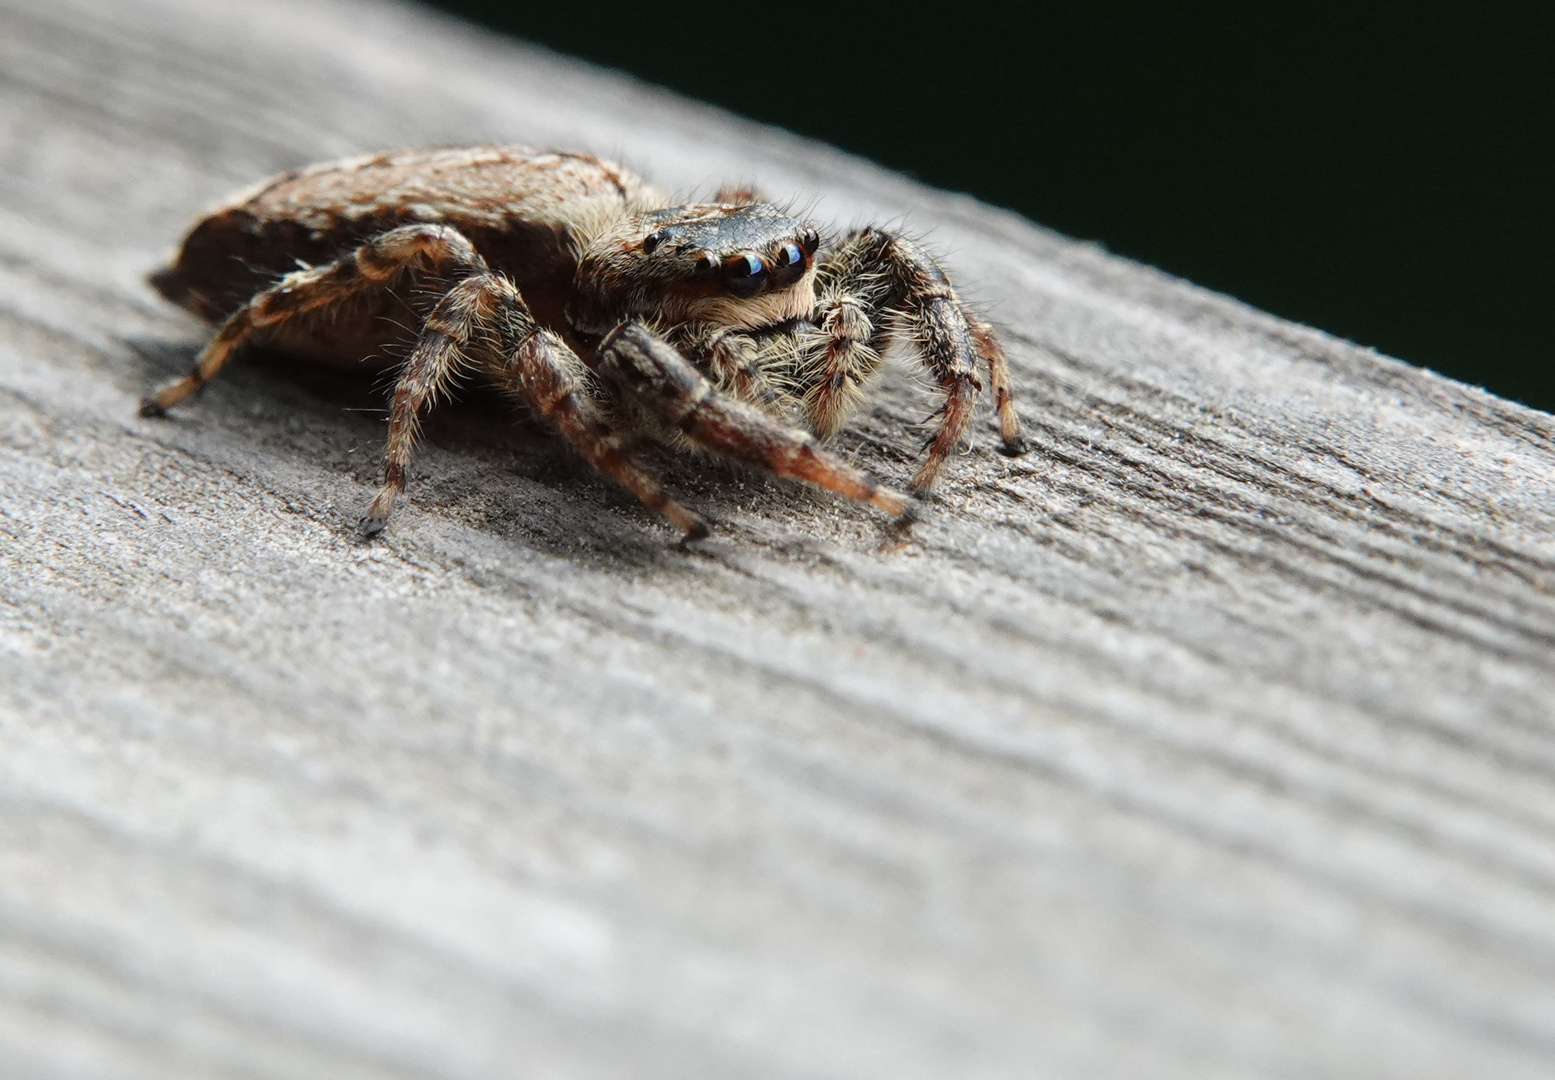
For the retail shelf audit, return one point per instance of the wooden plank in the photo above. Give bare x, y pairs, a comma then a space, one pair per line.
1213, 739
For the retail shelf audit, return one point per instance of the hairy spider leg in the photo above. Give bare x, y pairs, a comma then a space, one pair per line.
551, 379
835, 371
374, 264
674, 393
907, 294
483, 319
992, 354
450, 329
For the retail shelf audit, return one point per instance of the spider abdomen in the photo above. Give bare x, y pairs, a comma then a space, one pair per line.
528, 213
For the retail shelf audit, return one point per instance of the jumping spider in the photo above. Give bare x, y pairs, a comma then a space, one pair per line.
595, 300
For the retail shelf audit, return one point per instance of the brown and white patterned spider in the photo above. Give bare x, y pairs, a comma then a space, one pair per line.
595, 300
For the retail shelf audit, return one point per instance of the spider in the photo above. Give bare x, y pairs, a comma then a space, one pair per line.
594, 300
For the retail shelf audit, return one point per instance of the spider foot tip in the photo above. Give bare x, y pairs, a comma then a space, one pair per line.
1015, 446
370, 526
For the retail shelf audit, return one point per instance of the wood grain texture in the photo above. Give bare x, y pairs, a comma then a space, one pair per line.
1213, 739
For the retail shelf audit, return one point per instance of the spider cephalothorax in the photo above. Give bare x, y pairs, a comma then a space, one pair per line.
736, 266
591, 298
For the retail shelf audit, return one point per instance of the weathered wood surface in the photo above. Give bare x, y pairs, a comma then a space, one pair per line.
1214, 739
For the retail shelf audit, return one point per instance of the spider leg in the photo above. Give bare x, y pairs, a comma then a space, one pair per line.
906, 293
834, 372
455, 323
547, 375
656, 377
375, 263
483, 318
992, 354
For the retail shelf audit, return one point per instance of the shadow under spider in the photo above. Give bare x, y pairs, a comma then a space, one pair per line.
288, 405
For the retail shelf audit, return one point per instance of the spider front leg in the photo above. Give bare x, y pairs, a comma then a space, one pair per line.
484, 320
876, 286
374, 264
671, 390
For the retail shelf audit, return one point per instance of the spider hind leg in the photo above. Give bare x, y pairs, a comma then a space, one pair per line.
303, 293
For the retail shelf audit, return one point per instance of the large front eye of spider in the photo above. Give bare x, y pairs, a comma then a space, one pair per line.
745, 275
789, 264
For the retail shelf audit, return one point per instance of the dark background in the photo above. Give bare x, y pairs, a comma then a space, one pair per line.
1380, 171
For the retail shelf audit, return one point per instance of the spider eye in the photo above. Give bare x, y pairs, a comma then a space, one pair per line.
791, 264
810, 241
651, 241
745, 275
705, 265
